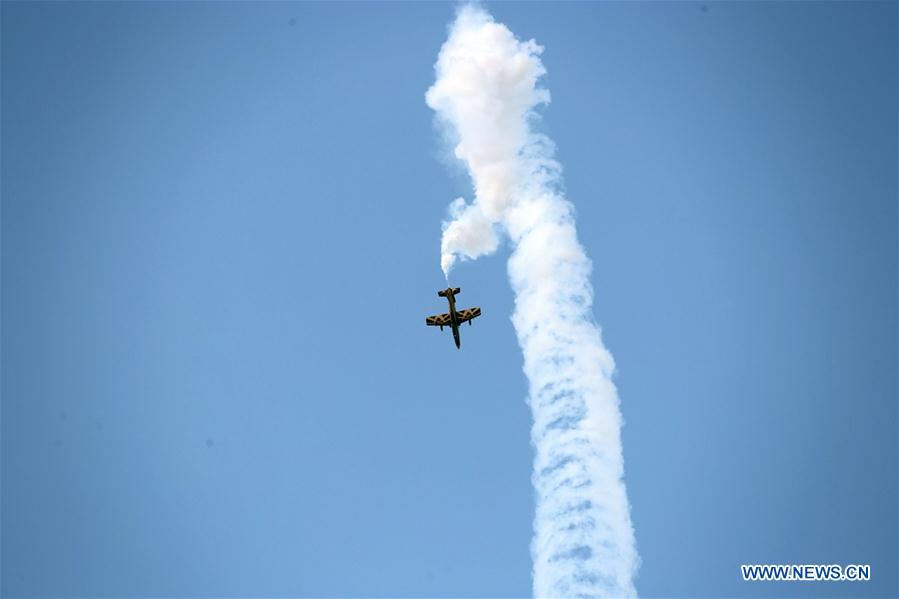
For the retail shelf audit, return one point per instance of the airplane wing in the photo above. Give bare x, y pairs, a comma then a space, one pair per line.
441, 320
469, 314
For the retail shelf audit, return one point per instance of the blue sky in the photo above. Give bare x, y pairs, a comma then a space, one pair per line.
220, 237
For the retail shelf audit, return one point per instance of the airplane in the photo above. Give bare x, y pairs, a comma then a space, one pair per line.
454, 317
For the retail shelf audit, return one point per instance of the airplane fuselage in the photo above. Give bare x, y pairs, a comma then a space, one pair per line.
454, 317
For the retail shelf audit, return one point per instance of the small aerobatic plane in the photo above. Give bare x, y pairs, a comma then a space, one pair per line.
454, 317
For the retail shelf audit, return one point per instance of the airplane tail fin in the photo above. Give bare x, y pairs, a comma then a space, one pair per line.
453, 290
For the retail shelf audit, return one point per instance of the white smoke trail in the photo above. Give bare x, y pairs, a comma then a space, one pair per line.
485, 94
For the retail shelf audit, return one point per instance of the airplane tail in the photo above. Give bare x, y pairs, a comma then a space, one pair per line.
454, 291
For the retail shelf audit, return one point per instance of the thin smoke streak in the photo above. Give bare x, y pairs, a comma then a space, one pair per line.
486, 95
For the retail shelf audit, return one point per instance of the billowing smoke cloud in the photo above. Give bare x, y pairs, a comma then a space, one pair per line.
486, 94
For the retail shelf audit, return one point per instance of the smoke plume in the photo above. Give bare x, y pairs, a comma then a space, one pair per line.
486, 95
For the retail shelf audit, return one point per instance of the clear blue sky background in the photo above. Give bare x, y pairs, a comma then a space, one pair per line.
220, 229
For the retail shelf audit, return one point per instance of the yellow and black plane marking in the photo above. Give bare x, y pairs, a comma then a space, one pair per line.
454, 317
